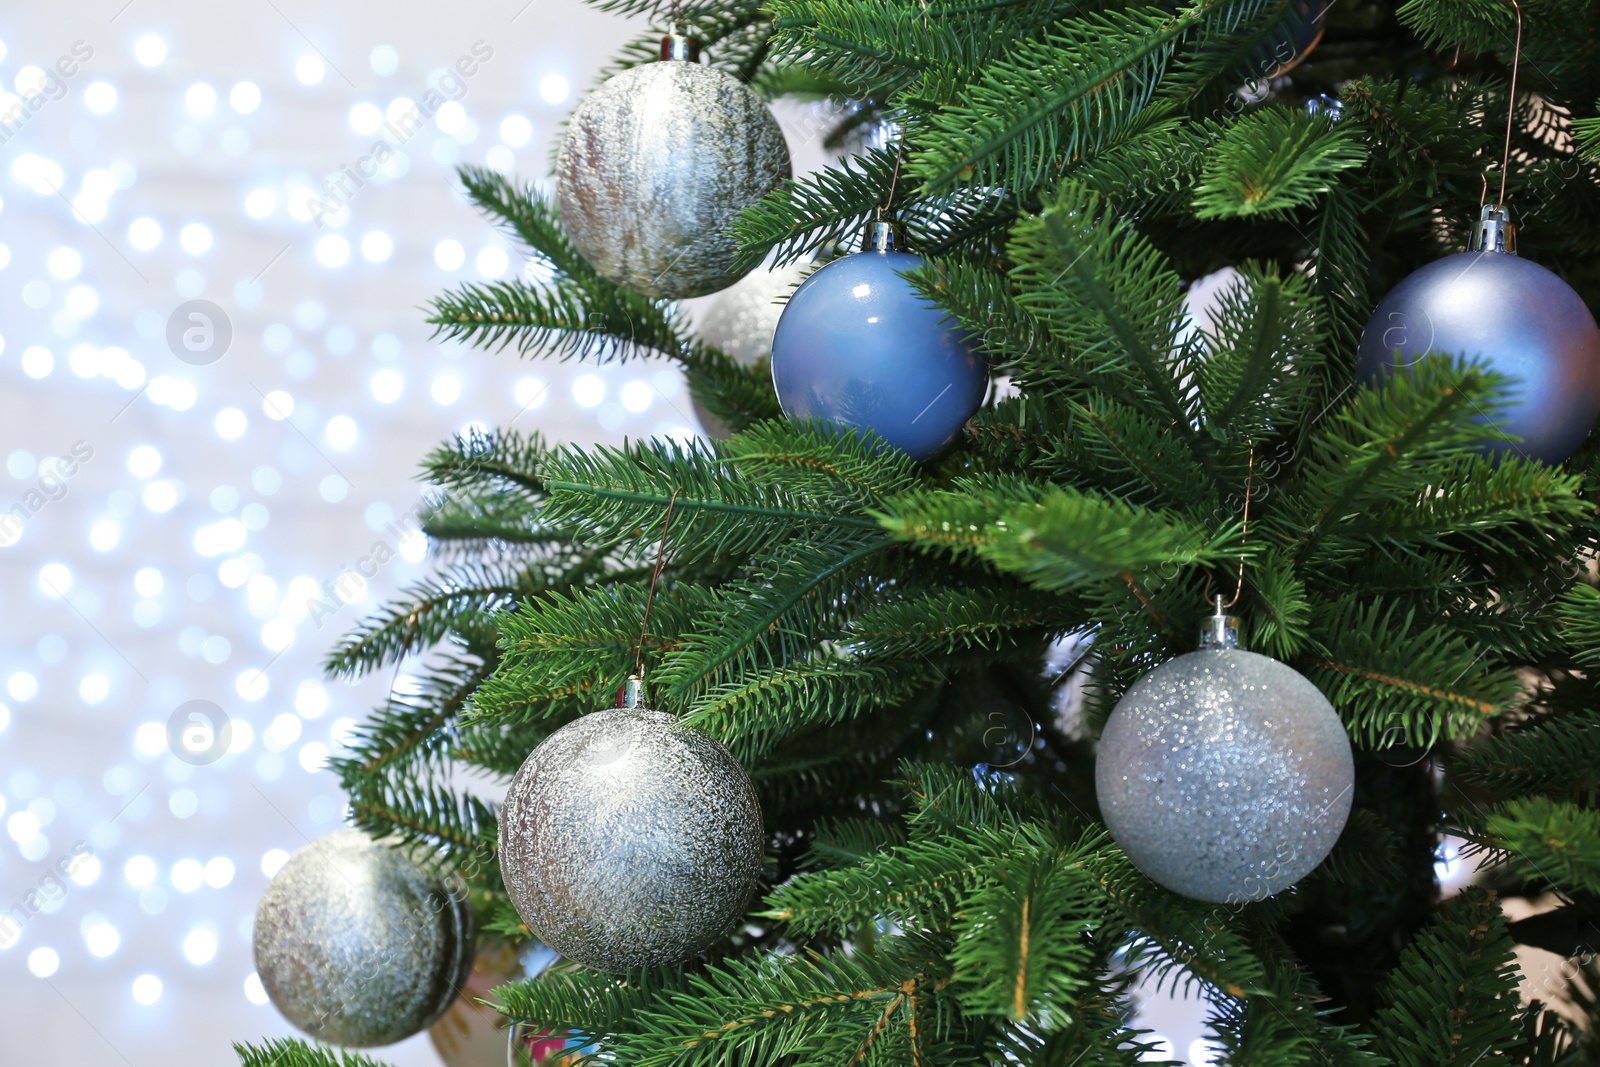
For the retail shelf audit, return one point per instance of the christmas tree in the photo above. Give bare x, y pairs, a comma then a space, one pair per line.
913, 661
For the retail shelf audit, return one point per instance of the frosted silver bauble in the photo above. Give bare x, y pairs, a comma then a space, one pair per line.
356, 945
655, 166
1224, 775
629, 841
741, 323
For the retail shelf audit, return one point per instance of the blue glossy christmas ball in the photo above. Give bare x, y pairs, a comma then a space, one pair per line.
1518, 319
859, 347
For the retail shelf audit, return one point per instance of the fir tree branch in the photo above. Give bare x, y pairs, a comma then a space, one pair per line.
1108, 295
1065, 540
766, 619
1272, 161
1048, 100
1022, 948
1554, 842
566, 653
1383, 445
1395, 681
614, 496
298, 1052
753, 713
1264, 354
1579, 622
1453, 998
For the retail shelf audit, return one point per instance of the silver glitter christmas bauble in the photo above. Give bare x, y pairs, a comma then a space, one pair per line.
628, 841
741, 323
656, 164
1224, 775
357, 945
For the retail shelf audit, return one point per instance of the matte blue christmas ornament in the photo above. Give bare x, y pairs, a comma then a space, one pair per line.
1513, 316
861, 348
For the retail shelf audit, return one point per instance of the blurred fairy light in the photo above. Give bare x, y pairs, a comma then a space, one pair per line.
492, 261
553, 89
516, 130
376, 246
244, 97
146, 989
200, 100
195, 238
260, 203
100, 97
449, 255
309, 69
144, 233
366, 119
332, 250
150, 50
384, 60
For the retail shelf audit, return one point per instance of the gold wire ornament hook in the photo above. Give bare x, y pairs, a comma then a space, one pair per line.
894, 179
649, 598
1511, 113
1244, 536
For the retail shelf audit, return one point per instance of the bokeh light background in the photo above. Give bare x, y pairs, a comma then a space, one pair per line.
209, 503
181, 517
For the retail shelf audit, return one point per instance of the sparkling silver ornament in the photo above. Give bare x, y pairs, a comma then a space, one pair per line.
629, 841
741, 323
357, 945
654, 167
1223, 774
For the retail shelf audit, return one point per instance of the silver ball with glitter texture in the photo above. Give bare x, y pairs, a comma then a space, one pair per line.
629, 841
741, 323
1225, 775
655, 166
357, 945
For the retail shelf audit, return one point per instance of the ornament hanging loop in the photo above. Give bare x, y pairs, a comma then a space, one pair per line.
1511, 110
1244, 535
894, 178
650, 597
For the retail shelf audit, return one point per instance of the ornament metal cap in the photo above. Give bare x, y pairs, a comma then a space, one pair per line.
1220, 631
633, 693
680, 46
882, 235
1494, 232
